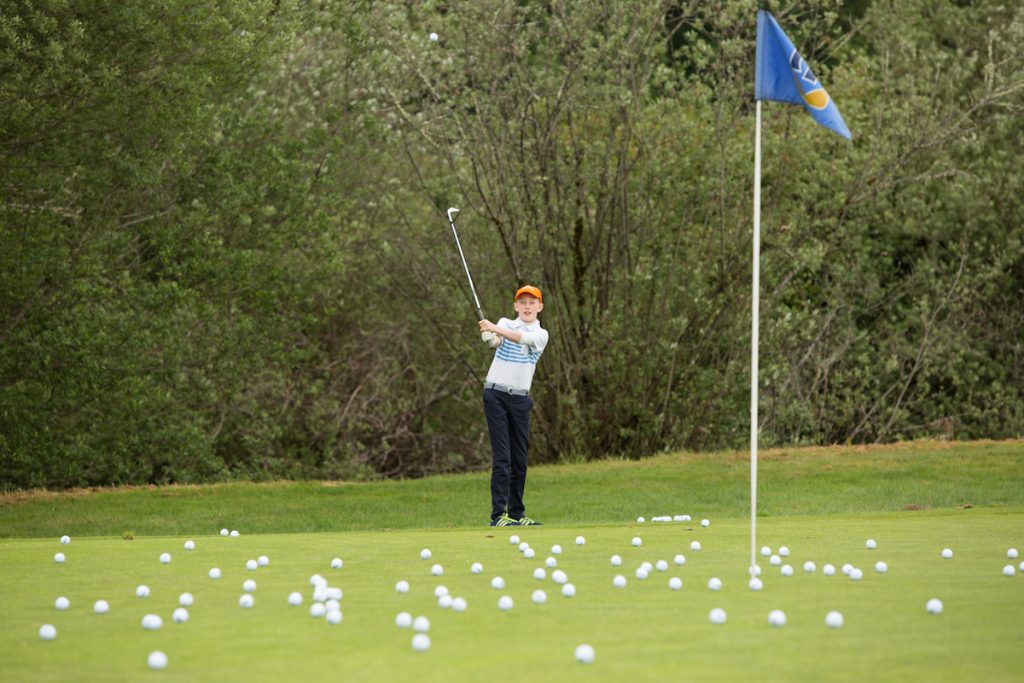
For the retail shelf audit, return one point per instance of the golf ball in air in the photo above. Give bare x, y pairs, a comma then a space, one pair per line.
295, 598
833, 619
529, 553
214, 573
777, 617
584, 654
248, 585
336, 563
881, 567
556, 549
505, 603
619, 581
62, 603
1009, 570
47, 631
765, 551
246, 601
559, 577
152, 622
679, 560
142, 591
403, 620
101, 607
157, 660
433, 37
934, 606
317, 610
440, 590
476, 568
947, 553
539, 597
263, 560
1012, 554
64, 540
540, 574
580, 540
459, 604
59, 558
715, 583
334, 617
497, 583
402, 587
871, 544
425, 554
437, 570
675, 583
637, 542
513, 539
705, 522
165, 558
551, 563
421, 642
421, 624
809, 567
755, 584
190, 545
784, 551
180, 615
717, 615
828, 570
786, 570
251, 565
616, 561
223, 532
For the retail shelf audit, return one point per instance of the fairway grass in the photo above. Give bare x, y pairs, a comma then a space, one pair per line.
642, 632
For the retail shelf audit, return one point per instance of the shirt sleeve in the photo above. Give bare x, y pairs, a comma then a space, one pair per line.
537, 339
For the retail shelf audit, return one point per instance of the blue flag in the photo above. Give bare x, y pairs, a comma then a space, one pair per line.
783, 75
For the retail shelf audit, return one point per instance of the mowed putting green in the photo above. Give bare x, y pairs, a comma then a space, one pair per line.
973, 495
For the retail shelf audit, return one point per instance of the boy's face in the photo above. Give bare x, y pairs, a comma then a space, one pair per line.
528, 307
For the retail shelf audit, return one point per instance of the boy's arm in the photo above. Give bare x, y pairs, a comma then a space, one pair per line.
511, 335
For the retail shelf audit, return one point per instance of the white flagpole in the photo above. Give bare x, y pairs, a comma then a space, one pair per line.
754, 324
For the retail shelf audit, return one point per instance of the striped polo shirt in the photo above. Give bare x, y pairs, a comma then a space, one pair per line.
513, 363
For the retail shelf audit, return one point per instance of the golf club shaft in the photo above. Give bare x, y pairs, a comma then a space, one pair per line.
476, 299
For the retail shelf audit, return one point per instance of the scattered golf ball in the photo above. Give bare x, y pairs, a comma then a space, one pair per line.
675, 583
440, 590
616, 561
65, 539
661, 565
784, 551
777, 617
637, 542
705, 522
856, 574
336, 563
775, 560
263, 560
444, 601
421, 642
641, 573
551, 563
871, 544
157, 660
402, 587
640, 520
847, 568
190, 545
334, 593
679, 560
223, 532
947, 554
755, 584
165, 558
540, 574
425, 554
246, 601
248, 585
765, 551
185, 599
476, 568
497, 583
809, 567
459, 604
529, 553
47, 631
717, 615
251, 565
437, 570
695, 546
786, 570
934, 606
433, 37
317, 610
1009, 570
584, 654
619, 581
754, 570
295, 598
539, 597
833, 619
101, 607
332, 606
59, 558
556, 549
523, 546
1022, 567
152, 622
317, 580
142, 591
62, 603
580, 540
881, 567
828, 570
715, 583
403, 620
559, 577
513, 539
334, 617
180, 615
320, 594
1012, 554
421, 624
214, 573
505, 603
234, 533
569, 590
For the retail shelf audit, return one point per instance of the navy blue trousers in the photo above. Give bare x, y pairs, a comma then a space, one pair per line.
508, 420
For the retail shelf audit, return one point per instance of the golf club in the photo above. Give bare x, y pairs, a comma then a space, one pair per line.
488, 337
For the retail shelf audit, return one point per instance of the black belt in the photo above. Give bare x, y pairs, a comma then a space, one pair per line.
505, 389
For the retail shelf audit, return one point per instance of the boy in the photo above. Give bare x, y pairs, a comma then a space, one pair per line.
507, 403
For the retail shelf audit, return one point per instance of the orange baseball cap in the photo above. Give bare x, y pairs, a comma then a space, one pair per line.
528, 289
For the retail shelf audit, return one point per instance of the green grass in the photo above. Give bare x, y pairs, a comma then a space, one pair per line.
822, 503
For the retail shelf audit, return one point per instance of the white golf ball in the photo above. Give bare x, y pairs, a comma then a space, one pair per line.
190, 545
332, 606
675, 583
679, 560
251, 565
62, 603
142, 591
934, 606
828, 570
870, 544
444, 601
568, 590
101, 607
513, 539
180, 615
717, 615
833, 619
437, 570
152, 622
856, 574
661, 565
476, 568
540, 574
459, 604
695, 546
320, 594
64, 540
529, 553
847, 568
421, 624
580, 540
421, 642
165, 558
1012, 554
809, 567
765, 551
317, 580
777, 617
263, 560
505, 603
157, 660
334, 593
47, 631
1021, 567
678, 518
425, 554
246, 601
775, 560
551, 563
59, 558
440, 590
248, 585
637, 542
186, 600
881, 567
784, 551
433, 37
584, 654
402, 587
616, 561
295, 598
559, 577
1009, 570
556, 549
523, 546
619, 581
705, 522
317, 610
947, 553
223, 532
755, 584
403, 620
334, 617
640, 520
214, 573
786, 570
539, 597
497, 583
715, 583
648, 567
336, 563
687, 518
234, 533
641, 573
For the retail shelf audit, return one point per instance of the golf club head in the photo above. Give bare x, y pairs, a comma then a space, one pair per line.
451, 212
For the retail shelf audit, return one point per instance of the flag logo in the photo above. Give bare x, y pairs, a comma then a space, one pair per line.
811, 89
